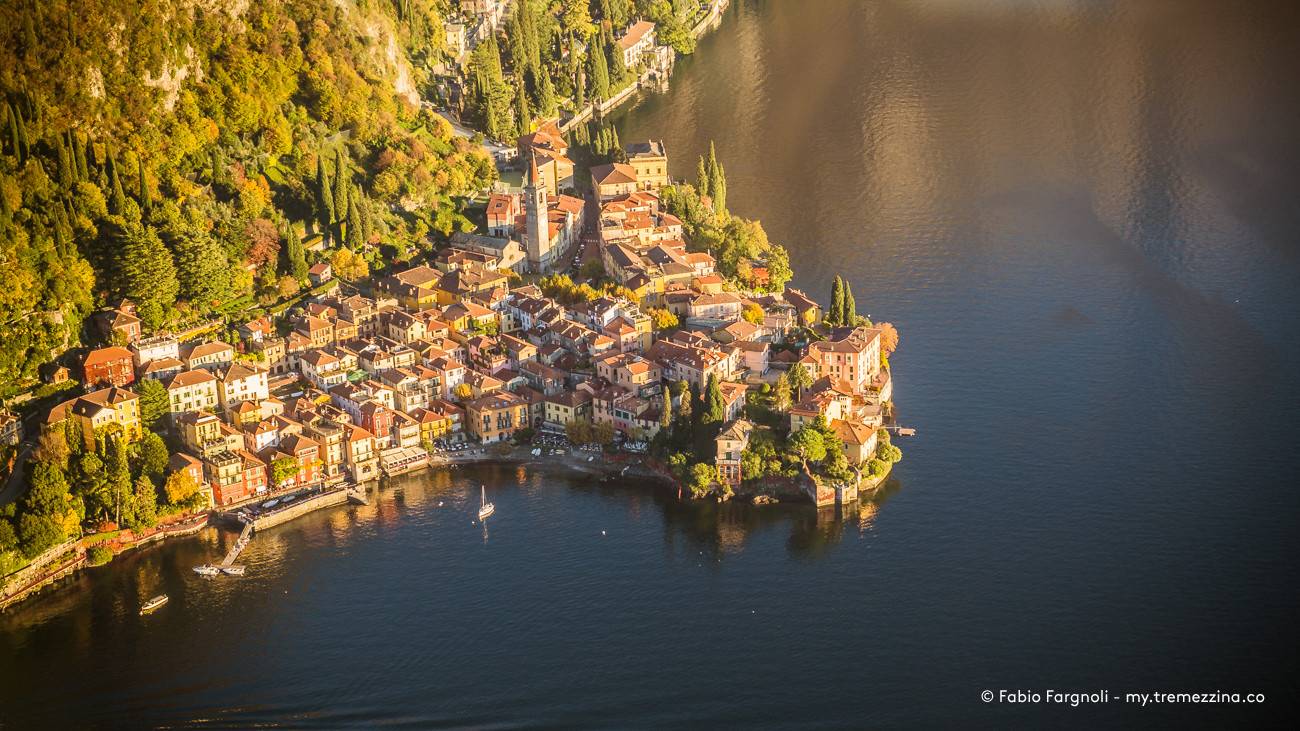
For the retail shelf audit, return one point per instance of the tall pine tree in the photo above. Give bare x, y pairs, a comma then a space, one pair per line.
835, 314
147, 273
324, 201
598, 74
701, 178
850, 316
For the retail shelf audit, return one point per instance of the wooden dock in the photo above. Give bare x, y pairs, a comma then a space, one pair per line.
239, 546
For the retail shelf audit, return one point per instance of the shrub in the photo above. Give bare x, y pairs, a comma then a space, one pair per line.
876, 468
98, 555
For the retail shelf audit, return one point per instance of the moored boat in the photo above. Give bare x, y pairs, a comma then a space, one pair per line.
207, 570
485, 508
153, 604
233, 570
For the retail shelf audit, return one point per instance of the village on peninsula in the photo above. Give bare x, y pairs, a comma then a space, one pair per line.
602, 314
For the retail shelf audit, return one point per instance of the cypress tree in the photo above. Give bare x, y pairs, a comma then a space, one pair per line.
146, 202
324, 201
720, 194
714, 406
11, 123
354, 240
202, 268
340, 185
117, 197
523, 115
79, 152
579, 90
666, 410
850, 316
147, 272
23, 148
834, 315
701, 178
618, 71
295, 255
713, 166
65, 165
599, 74
545, 94
6, 215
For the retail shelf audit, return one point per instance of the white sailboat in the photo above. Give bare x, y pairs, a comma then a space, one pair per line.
485, 508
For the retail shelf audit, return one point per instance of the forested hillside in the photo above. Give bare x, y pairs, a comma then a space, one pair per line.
177, 152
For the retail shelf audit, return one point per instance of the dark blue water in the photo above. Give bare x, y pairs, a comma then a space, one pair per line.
1081, 217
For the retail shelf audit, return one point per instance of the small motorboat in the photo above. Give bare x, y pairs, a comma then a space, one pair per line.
153, 604
485, 508
289, 498
233, 570
207, 570
270, 504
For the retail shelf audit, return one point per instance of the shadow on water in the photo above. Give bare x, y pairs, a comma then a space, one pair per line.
716, 529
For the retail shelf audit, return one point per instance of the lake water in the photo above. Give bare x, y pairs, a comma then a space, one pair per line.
1082, 219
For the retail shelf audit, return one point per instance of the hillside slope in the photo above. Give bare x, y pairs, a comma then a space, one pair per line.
176, 151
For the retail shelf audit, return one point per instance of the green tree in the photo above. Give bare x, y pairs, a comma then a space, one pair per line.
294, 253
147, 272
800, 378
142, 194
778, 268
598, 75
342, 181
701, 177
753, 465
523, 115
835, 315
809, 444
889, 453
850, 316
38, 533
714, 406
781, 392
119, 481
145, 504
91, 484
720, 194
355, 230
666, 411
47, 493
154, 402
753, 314
702, 477
324, 201
153, 456
685, 398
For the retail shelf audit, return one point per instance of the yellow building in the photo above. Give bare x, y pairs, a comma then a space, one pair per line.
650, 162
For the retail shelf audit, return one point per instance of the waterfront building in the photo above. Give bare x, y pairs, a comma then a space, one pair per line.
636, 41
650, 162
732, 441
851, 355
496, 417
